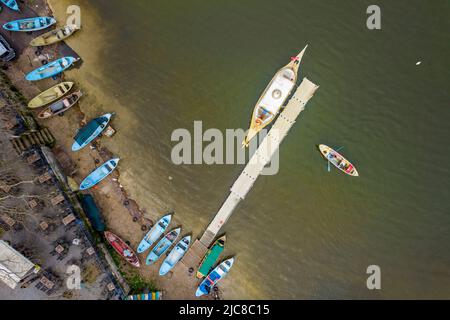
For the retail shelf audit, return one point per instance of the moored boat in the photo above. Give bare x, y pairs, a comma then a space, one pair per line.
50, 95
29, 24
51, 69
90, 131
274, 97
211, 256
215, 276
12, 4
175, 255
122, 248
54, 36
162, 246
60, 106
154, 233
338, 160
99, 174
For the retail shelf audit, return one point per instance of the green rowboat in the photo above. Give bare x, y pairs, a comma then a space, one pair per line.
211, 257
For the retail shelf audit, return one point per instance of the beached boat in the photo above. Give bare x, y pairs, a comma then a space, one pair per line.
215, 276
99, 174
274, 97
51, 69
155, 233
60, 106
162, 246
175, 255
338, 160
29, 24
50, 95
211, 256
12, 4
90, 131
122, 248
54, 36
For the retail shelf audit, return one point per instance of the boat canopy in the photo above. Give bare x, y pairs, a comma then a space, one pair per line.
86, 132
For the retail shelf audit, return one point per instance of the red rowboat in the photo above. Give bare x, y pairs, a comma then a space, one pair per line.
123, 249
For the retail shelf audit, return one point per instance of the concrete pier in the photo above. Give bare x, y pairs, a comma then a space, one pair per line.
256, 164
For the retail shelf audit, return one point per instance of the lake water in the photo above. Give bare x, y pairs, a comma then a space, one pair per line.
303, 233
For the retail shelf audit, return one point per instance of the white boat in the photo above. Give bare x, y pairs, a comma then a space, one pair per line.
274, 97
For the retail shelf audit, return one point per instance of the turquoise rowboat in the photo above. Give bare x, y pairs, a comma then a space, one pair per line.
99, 174
162, 246
90, 131
155, 232
175, 255
29, 24
215, 276
12, 4
51, 69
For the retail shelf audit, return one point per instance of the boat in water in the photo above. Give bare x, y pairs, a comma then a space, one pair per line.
155, 233
90, 131
12, 4
175, 255
162, 246
99, 174
215, 276
50, 95
274, 97
29, 24
51, 69
211, 256
54, 36
122, 248
338, 160
61, 106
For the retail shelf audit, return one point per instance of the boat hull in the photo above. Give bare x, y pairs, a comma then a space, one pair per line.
100, 124
53, 36
211, 256
175, 255
214, 277
155, 233
99, 174
338, 160
162, 246
122, 249
29, 24
50, 95
51, 69
11, 4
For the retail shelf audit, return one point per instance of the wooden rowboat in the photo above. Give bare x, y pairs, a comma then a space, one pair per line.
123, 249
338, 160
50, 95
274, 97
60, 106
53, 36
29, 24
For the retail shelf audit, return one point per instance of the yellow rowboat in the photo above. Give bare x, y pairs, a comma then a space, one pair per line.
54, 36
338, 160
274, 97
50, 95
60, 106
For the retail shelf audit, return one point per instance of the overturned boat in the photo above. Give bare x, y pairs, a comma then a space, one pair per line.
274, 97
61, 106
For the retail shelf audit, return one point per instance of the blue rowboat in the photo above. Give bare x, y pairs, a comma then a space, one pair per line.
51, 69
12, 4
175, 255
215, 276
29, 24
162, 246
90, 131
99, 174
155, 232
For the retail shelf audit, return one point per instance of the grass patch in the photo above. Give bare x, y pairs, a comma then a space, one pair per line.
138, 284
1, 232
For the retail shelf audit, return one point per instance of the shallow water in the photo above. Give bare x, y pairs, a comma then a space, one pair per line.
304, 233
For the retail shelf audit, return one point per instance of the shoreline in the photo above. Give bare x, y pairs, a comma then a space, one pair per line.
122, 214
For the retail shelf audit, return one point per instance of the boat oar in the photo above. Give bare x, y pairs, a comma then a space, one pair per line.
329, 167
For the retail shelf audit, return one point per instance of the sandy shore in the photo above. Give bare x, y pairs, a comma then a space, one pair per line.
122, 214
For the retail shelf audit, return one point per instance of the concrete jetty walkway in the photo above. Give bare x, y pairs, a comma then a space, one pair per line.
256, 164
